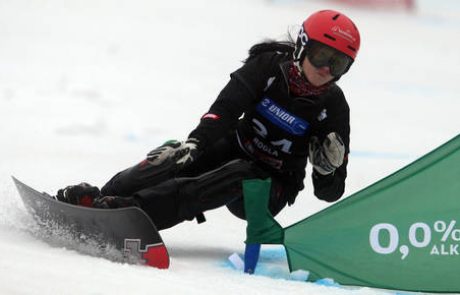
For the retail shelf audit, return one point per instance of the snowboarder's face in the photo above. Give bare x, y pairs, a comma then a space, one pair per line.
316, 76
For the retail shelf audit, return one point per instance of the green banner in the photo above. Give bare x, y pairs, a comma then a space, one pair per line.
262, 228
402, 232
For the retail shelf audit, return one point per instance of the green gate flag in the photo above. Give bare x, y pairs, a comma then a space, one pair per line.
262, 228
402, 232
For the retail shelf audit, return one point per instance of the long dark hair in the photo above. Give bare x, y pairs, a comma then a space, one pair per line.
269, 45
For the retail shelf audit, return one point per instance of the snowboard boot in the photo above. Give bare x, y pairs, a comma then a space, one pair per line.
82, 194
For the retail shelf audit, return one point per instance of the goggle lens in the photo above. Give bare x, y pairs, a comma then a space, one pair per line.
321, 55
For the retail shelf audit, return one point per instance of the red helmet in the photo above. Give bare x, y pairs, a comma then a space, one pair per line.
332, 28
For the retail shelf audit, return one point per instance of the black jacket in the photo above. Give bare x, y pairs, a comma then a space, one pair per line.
274, 127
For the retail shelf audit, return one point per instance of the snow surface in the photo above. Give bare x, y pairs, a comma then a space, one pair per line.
88, 87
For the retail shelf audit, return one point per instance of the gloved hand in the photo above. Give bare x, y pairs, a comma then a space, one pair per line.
113, 202
288, 185
182, 153
329, 155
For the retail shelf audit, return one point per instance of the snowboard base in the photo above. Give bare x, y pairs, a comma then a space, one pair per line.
129, 230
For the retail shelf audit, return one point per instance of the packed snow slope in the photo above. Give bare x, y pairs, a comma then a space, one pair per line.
88, 87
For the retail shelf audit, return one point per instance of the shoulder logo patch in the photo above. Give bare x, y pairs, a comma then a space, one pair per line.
322, 115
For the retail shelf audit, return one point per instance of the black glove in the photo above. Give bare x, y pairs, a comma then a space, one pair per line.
329, 155
183, 153
288, 185
112, 202
82, 194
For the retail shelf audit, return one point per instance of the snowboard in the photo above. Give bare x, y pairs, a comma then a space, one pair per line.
129, 230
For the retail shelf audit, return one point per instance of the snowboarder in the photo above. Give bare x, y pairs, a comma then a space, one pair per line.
279, 110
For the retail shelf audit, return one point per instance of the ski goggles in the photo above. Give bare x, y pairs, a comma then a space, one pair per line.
321, 55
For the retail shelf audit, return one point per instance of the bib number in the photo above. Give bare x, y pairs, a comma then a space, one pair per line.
284, 145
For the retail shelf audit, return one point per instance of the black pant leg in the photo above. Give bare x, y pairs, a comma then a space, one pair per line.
176, 200
138, 177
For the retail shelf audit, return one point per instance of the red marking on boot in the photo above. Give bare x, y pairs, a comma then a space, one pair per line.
86, 201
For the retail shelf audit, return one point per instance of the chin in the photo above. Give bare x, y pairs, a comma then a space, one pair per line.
317, 80
323, 81
318, 84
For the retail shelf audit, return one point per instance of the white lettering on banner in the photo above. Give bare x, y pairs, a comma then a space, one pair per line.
420, 235
375, 234
444, 250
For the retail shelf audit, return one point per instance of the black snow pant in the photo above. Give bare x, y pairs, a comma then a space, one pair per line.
215, 179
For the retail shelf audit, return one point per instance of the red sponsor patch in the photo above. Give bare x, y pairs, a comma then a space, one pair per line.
211, 116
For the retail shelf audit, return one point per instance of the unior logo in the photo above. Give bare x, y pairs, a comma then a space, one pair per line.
336, 30
281, 114
282, 118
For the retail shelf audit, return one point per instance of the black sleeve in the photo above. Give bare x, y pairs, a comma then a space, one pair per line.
238, 96
331, 187
223, 115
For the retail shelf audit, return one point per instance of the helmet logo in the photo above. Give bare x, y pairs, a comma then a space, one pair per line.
336, 30
303, 36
